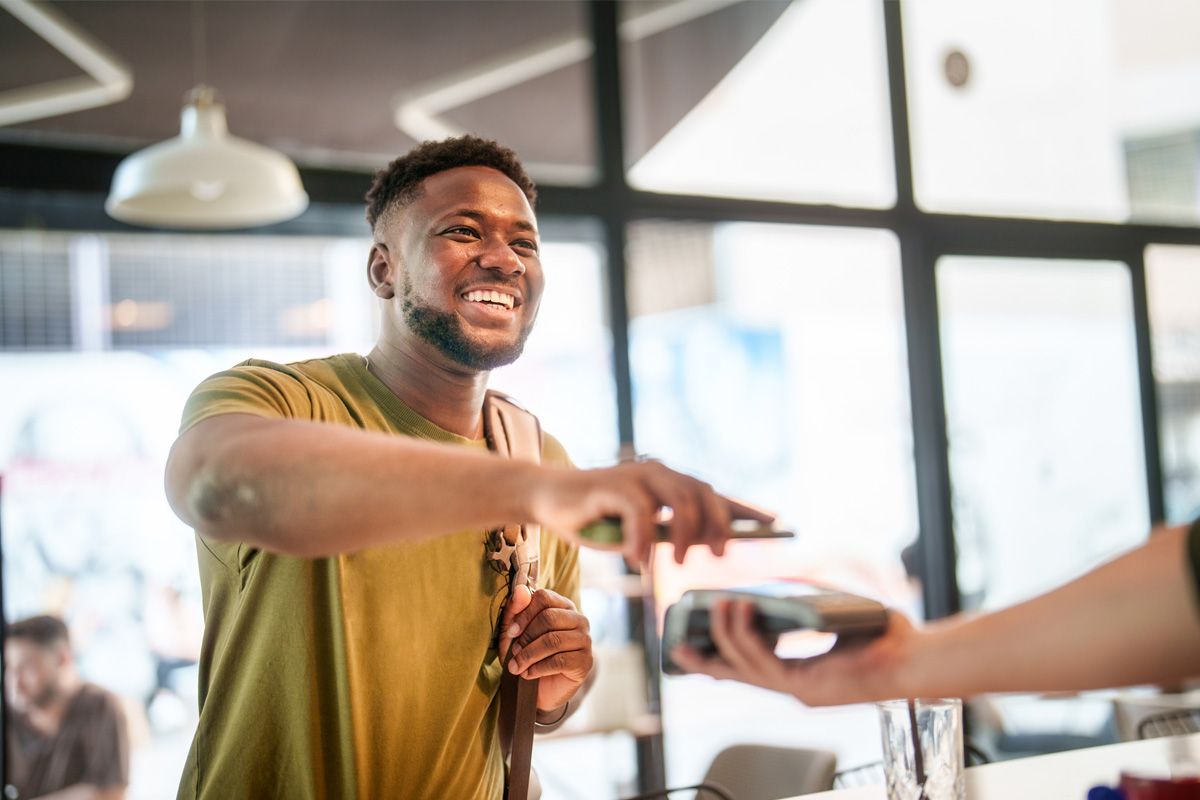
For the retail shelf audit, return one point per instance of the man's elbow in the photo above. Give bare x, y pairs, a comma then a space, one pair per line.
212, 499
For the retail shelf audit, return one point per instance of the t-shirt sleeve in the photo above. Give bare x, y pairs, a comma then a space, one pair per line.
252, 387
261, 388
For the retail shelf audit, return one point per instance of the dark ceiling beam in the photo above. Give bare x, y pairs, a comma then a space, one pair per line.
88, 174
61, 169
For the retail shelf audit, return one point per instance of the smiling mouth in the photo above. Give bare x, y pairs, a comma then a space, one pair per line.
491, 298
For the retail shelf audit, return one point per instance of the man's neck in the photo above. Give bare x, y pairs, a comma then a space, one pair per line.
450, 398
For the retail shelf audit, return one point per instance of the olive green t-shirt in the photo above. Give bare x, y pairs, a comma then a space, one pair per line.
368, 675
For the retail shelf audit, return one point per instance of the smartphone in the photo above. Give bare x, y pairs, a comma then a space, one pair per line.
608, 531
780, 607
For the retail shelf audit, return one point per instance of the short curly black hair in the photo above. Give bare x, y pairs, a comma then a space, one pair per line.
400, 181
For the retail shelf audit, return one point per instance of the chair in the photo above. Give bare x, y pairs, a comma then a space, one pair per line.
873, 773
760, 772
1169, 723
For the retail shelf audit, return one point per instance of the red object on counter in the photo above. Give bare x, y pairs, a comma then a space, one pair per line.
1134, 787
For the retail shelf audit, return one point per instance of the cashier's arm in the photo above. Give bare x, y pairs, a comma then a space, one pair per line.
315, 489
1133, 620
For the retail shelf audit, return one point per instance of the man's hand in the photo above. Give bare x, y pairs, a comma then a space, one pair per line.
550, 640
638, 492
856, 672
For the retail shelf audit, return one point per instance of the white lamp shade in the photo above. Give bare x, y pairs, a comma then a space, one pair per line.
206, 179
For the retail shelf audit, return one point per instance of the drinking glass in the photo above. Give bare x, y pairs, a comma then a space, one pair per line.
935, 770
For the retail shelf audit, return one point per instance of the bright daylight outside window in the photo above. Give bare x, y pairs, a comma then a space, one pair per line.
1043, 419
1069, 110
770, 361
800, 114
1173, 286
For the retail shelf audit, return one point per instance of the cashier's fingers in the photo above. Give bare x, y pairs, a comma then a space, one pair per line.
732, 662
690, 661
856, 670
743, 646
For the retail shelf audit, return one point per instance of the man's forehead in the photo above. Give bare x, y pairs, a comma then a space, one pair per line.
478, 189
22, 648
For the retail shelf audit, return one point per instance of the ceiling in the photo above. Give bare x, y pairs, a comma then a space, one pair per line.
322, 79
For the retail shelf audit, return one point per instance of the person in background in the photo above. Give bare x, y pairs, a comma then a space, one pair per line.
67, 739
1134, 620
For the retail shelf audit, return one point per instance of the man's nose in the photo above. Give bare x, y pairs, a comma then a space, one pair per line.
502, 257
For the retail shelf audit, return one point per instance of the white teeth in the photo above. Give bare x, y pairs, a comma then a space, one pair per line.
499, 298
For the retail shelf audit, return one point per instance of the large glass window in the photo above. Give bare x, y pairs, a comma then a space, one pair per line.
762, 100
770, 361
1173, 289
1044, 421
1069, 109
565, 375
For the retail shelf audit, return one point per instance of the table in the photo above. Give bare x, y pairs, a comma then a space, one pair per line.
1058, 776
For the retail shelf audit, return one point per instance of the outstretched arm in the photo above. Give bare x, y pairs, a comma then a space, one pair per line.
314, 489
1132, 620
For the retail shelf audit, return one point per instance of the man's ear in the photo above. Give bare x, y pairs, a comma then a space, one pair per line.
380, 273
63, 655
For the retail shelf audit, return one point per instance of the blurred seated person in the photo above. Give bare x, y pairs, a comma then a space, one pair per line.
67, 739
1133, 620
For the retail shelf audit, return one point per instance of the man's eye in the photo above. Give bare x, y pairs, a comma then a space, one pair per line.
463, 231
525, 244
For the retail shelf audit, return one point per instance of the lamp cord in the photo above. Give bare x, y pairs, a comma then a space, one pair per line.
198, 64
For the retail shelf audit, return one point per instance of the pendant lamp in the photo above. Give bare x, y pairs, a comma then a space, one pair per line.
206, 178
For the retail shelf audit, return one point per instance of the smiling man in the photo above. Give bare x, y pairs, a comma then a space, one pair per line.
343, 509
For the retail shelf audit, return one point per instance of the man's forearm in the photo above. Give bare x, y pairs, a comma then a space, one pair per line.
1133, 620
315, 489
312, 489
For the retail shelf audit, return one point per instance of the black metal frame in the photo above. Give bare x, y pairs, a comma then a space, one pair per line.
61, 188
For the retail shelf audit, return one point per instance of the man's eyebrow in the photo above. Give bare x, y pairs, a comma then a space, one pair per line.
480, 217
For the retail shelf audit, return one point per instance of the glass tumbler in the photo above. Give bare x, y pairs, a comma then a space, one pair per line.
935, 770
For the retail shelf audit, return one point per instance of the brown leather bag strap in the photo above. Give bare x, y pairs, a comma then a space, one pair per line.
515, 433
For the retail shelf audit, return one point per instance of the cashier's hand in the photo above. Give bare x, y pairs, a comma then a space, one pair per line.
852, 672
549, 640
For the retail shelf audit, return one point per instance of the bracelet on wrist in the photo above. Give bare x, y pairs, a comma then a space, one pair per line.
561, 716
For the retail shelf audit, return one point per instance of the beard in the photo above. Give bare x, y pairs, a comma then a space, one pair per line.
43, 698
445, 331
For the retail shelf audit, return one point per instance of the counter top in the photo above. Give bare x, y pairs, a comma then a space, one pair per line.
1058, 776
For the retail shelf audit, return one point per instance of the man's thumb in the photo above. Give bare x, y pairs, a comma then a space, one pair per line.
519, 600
